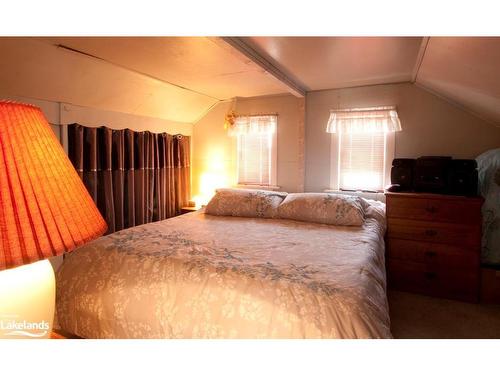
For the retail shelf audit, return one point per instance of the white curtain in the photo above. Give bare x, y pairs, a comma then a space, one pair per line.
364, 120
253, 125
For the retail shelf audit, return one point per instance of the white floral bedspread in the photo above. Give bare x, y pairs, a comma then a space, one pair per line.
203, 276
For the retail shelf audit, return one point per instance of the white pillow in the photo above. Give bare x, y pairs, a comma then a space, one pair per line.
245, 203
323, 208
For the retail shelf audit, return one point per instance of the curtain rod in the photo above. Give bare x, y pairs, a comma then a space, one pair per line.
178, 135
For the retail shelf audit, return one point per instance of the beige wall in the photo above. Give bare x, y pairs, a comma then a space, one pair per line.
214, 152
431, 126
212, 158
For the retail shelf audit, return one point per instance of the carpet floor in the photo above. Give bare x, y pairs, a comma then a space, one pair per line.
415, 316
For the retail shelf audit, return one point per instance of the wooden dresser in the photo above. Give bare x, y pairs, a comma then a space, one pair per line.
433, 244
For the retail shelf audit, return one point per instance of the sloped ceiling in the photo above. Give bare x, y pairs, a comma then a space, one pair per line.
203, 65
465, 70
180, 78
177, 79
41, 71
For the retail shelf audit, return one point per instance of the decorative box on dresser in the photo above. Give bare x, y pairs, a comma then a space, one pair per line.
433, 244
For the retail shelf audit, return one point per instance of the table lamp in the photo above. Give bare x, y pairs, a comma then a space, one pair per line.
45, 211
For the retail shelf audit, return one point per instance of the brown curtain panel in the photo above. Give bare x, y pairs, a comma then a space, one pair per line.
134, 177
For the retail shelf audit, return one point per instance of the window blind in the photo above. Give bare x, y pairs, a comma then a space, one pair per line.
254, 158
362, 160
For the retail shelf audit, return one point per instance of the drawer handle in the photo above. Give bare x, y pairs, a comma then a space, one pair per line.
431, 209
430, 275
430, 253
430, 232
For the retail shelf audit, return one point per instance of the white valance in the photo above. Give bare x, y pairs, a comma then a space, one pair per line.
261, 124
364, 120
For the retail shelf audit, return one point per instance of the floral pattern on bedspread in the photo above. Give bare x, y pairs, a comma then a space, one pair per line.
203, 276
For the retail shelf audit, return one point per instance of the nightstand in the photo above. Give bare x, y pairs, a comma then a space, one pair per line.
188, 209
433, 244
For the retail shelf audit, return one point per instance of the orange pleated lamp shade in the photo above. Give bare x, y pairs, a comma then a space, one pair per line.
45, 210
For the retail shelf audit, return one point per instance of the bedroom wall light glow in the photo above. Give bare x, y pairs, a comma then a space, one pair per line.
209, 182
217, 172
45, 211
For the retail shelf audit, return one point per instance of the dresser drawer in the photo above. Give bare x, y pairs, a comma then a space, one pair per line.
433, 254
420, 278
467, 236
464, 210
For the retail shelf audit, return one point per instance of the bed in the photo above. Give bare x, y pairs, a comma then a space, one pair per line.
204, 276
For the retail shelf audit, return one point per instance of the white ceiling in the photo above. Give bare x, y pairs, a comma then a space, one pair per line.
180, 78
320, 63
464, 70
204, 65
176, 78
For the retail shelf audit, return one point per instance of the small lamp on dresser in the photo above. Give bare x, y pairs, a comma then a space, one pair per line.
45, 211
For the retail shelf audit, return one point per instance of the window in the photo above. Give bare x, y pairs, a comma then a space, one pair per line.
361, 160
255, 154
256, 149
362, 147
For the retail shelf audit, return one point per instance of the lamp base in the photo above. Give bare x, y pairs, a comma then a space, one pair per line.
27, 301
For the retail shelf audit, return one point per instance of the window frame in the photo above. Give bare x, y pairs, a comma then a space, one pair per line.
274, 165
390, 147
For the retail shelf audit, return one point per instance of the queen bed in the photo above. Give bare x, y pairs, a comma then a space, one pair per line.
206, 276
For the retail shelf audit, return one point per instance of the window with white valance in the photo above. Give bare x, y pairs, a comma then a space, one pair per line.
256, 149
362, 147
364, 120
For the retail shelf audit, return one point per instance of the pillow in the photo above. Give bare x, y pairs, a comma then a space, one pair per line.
323, 208
245, 203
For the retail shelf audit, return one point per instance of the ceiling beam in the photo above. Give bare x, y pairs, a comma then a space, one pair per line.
420, 58
240, 45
